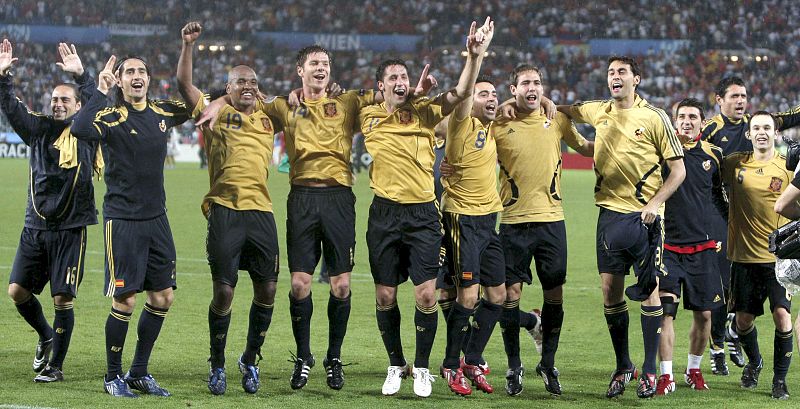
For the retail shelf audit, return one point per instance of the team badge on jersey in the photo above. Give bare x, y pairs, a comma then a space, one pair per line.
775, 184
707, 165
405, 116
162, 126
267, 125
639, 133
330, 109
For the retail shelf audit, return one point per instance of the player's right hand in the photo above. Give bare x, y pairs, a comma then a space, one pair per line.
106, 78
6, 57
71, 63
446, 169
190, 32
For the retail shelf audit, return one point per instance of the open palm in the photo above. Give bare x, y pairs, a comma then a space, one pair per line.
71, 63
6, 57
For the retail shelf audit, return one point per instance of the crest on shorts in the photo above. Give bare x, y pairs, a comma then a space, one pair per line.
466, 275
405, 116
162, 126
707, 165
267, 125
330, 109
775, 184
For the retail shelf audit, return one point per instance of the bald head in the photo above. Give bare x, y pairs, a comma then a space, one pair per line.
242, 87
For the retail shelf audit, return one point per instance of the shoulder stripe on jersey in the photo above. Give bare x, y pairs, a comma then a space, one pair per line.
674, 143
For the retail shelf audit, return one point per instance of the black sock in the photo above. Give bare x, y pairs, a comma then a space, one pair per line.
389, 325
783, 354
457, 325
527, 320
509, 325
426, 319
218, 324
31, 310
149, 327
651, 333
719, 316
446, 306
338, 315
301, 311
486, 317
617, 320
260, 318
749, 340
62, 333
116, 330
552, 319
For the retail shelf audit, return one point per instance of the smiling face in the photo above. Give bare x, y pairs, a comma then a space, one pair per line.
688, 121
242, 87
63, 102
395, 85
734, 103
133, 80
528, 91
621, 81
484, 102
315, 71
762, 132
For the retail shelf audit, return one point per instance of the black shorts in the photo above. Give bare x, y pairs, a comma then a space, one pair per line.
404, 240
623, 241
543, 242
55, 256
754, 283
473, 249
242, 240
321, 221
140, 256
719, 229
697, 275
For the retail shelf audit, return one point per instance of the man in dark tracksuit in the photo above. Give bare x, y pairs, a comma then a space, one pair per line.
60, 206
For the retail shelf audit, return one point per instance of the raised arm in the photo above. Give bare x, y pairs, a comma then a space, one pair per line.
71, 64
189, 33
84, 125
25, 123
478, 41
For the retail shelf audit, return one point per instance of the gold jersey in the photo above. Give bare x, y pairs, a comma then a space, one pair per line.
472, 189
530, 165
319, 135
401, 145
239, 149
629, 147
753, 187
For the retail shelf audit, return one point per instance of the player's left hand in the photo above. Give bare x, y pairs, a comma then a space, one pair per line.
650, 212
209, 115
508, 110
426, 82
71, 62
446, 169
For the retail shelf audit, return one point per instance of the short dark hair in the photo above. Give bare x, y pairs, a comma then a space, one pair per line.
520, 69
119, 97
764, 113
386, 64
635, 69
484, 78
304, 52
725, 83
71, 86
691, 102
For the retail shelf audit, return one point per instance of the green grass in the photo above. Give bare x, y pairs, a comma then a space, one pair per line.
585, 356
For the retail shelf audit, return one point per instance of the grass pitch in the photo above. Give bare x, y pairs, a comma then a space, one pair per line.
585, 357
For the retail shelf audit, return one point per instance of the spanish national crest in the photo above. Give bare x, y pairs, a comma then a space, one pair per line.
330, 109
639, 133
267, 125
775, 185
162, 126
707, 165
405, 116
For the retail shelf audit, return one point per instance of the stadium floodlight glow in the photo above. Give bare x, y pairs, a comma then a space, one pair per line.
765, 58
445, 51
237, 47
758, 58
734, 58
213, 48
463, 53
222, 48
201, 47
